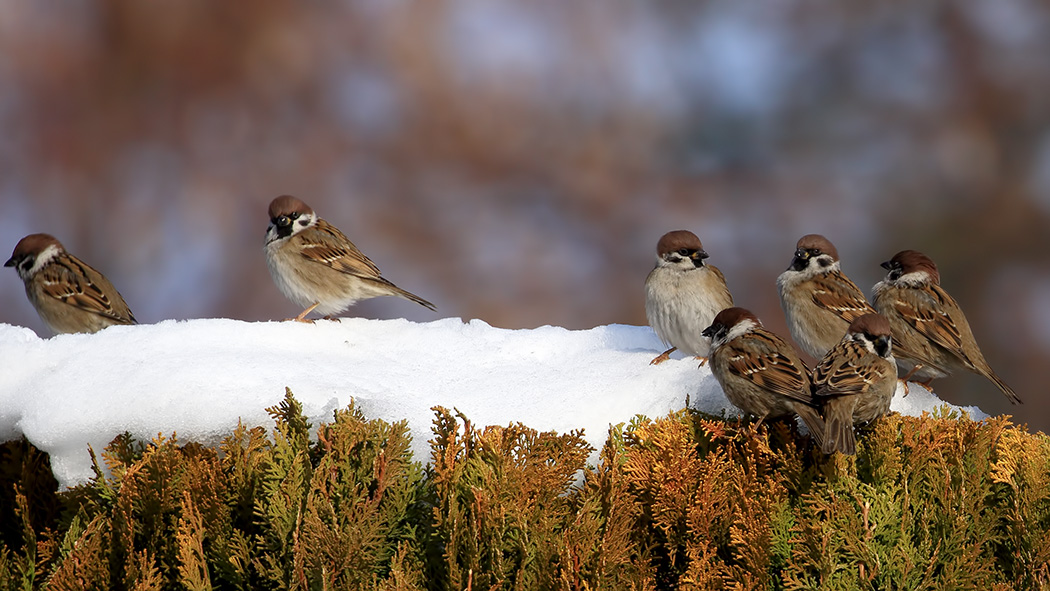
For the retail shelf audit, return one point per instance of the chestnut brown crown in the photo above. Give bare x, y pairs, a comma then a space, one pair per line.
815, 245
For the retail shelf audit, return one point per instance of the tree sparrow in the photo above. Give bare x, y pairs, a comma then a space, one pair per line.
682, 295
69, 295
316, 266
931, 336
855, 381
819, 301
759, 372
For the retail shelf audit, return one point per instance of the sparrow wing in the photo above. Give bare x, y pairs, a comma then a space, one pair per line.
75, 283
848, 370
723, 290
835, 292
325, 244
769, 363
929, 311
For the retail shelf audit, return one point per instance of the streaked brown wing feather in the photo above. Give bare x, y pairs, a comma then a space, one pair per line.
325, 244
726, 295
73, 282
842, 297
926, 313
771, 368
836, 376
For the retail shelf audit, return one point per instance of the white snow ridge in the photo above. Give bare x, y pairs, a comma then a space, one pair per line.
198, 377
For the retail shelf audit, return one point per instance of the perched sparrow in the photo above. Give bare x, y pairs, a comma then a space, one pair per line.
819, 301
855, 381
68, 295
316, 266
931, 337
759, 372
682, 294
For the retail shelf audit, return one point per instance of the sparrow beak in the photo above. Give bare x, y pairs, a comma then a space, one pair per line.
798, 263
882, 345
709, 332
10, 262
888, 265
698, 257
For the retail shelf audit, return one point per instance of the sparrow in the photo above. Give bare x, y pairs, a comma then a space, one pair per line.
69, 295
855, 381
683, 294
931, 336
316, 266
759, 372
819, 301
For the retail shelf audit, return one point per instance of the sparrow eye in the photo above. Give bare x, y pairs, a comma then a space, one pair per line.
683, 251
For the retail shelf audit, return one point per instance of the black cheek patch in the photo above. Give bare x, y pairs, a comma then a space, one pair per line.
304, 223
824, 262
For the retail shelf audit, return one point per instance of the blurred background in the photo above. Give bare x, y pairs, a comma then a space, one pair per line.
517, 162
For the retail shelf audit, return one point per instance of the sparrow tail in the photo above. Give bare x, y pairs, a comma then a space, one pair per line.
813, 422
1014, 398
411, 296
838, 434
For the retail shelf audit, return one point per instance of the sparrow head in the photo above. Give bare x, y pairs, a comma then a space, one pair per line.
32, 253
814, 251
911, 267
729, 324
680, 248
872, 331
288, 216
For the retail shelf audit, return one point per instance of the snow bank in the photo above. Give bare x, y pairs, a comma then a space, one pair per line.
199, 377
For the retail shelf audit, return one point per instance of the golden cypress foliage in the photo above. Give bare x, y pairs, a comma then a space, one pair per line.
686, 501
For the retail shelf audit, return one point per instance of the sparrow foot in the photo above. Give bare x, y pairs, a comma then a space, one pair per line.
663, 356
925, 384
302, 315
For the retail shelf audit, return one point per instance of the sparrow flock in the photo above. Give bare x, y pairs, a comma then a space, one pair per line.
912, 322
913, 325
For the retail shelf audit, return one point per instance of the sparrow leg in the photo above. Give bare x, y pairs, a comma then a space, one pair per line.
302, 316
757, 424
663, 356
703, 360
910, 373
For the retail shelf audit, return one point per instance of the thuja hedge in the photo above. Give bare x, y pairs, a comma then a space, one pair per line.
683, 502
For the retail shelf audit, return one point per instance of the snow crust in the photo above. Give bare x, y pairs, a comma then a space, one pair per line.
199, 377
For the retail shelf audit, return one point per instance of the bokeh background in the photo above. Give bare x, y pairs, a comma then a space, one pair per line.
517, 161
